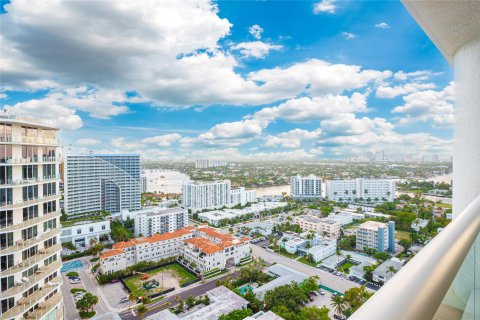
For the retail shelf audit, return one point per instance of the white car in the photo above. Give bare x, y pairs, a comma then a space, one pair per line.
75, 281
124, 300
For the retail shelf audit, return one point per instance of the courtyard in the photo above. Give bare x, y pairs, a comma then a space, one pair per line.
158, 280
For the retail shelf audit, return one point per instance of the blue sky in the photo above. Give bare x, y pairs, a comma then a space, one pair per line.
229, 79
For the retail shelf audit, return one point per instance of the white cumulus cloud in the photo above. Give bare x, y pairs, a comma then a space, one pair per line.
324, 6
382, 25
256, 31
256, 49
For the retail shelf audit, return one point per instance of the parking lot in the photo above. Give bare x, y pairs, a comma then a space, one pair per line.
323, 300
115, 292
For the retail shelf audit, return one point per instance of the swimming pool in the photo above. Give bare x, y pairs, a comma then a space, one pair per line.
72, 265
243, 290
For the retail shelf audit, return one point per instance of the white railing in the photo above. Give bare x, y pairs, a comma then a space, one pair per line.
418, 289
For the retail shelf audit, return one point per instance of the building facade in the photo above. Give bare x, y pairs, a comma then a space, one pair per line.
81, 233
29, 220
203, 248
102, 182
206, 195
376, 235
325, 226
242, 197
361, 190
324, 248
159, 220
306, 187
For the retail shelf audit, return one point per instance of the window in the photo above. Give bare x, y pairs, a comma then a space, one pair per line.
48, 152
50, 242
79, 231
5, 153
6, 262
30, 252
50, 224
30, 212
30, 152
6, 196
103, 227
30, 271
7, 304
5, 175
91, 229
29, 233
29, 172
48, 171
49, 207
5, 132
6, 240
30, 192
30, 291
6, 283
49, 189
50, 260
6, 218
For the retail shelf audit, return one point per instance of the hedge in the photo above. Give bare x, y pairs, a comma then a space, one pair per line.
72, 274
87, 314
74, 256
75, 290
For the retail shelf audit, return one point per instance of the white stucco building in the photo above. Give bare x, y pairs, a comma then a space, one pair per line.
324, 248
306, 187
159, 220
203, 247
321, 226
211, 195
82, 232
376, 235
357, 190
242, 197
203, 163
343, 217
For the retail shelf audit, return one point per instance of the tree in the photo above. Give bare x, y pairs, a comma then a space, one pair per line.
290, 296
310, 284
338, 303
190, 302
355, 297
381, 256
180, 302
236, 314
339, 254
391, 270
142, 309
405, 243
87, 302
255, 304
93, 241
132, 297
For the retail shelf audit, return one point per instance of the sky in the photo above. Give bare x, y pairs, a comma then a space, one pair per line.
236, 80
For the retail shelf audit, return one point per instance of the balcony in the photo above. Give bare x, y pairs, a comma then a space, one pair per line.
24, 304
441, 282
25, 140
21, 203
25, 182
24, 244
27, 263
45, 307
32, 160
31, 222
39, 275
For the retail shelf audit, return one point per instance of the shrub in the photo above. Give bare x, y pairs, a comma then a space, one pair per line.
74, 256
72, 274
94, 259
86, 314
75, 290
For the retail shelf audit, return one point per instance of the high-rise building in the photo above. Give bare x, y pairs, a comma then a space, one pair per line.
109, 182
358, 190
376, 235
242, 197
29, 220
306, 187
202, 164
206, 195
380, 156
143, 183
159, 220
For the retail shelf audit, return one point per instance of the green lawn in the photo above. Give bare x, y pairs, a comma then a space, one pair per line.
400, 234
286, 254
304, 260
345, 267
135, 283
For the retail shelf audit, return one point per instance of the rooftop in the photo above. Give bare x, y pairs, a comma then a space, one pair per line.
383, 268
372, 225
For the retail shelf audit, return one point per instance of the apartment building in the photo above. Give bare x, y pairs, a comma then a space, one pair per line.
376, 235
204, 247
325, 226
206, 195
323, 249
159, 220
361, 190
109, 182
202, 163
143, 184
305, 187
29, 220
242, 197
82, 232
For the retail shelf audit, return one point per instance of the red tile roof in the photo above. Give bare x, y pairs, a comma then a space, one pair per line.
111, 253
204, 245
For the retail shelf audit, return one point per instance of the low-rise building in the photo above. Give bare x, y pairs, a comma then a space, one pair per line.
325, 248
421, 223
262, 315
358, 270
376, 235
325, 227
222, 301
283, 275
202, 247
265, 228
159, 220
343, 217
387, 270
80, 233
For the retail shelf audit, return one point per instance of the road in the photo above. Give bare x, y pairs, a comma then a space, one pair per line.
326, 279
197, 291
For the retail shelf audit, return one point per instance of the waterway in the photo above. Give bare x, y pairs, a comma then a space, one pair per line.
164, 181
273, 190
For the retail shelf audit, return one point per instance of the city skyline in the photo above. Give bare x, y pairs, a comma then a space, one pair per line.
288, 80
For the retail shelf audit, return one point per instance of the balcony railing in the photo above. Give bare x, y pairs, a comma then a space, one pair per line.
31, 160
27, 263
42, 272
24, 304
45, 307
418, 290
23, 182
21, 203
31, 222
24, 244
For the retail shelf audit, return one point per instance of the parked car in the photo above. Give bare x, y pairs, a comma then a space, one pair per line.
76, 281
322, 292
124, 300
74, 278
315, 293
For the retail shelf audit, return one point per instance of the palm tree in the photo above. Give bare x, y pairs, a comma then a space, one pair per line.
338, 303
93, 242
348, 257
391, 270
339, 254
